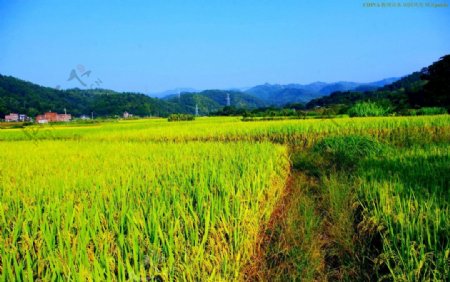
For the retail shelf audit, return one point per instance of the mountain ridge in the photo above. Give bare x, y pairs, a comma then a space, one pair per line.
22, 96
279, 94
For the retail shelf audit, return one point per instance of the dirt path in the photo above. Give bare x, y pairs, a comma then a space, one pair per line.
311, 235
289, 247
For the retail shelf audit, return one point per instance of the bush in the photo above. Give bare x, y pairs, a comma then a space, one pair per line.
368, 109
180, 117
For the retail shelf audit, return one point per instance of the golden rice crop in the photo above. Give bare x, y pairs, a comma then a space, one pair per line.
152, 200
117, 211
300, 132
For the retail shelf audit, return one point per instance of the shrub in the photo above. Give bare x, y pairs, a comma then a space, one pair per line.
368, 109
431, 111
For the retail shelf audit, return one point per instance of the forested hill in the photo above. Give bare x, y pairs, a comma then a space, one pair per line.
429, 87
395, 92
24, 97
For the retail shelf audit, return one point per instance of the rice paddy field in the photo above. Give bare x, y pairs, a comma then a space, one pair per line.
218, 199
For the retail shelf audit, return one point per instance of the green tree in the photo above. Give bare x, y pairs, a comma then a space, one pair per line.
437, 90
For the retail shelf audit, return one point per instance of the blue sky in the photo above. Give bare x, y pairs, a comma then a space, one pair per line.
150, 46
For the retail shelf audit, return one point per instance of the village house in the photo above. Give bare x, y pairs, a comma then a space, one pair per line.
64, 117
127, 115
53, 117
12, 117
41, 119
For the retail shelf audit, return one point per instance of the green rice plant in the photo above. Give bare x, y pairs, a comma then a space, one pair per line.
407, 195
401, 231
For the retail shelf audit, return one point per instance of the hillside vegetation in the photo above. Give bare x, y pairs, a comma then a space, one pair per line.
25, 97
428, 88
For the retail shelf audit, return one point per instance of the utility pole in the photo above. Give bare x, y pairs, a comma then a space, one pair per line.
228, 100
196, 109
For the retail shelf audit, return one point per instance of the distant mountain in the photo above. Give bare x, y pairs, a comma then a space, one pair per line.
213, 100
398, 92
355, 86
278, 95
172, 92
338, 86
383, 82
